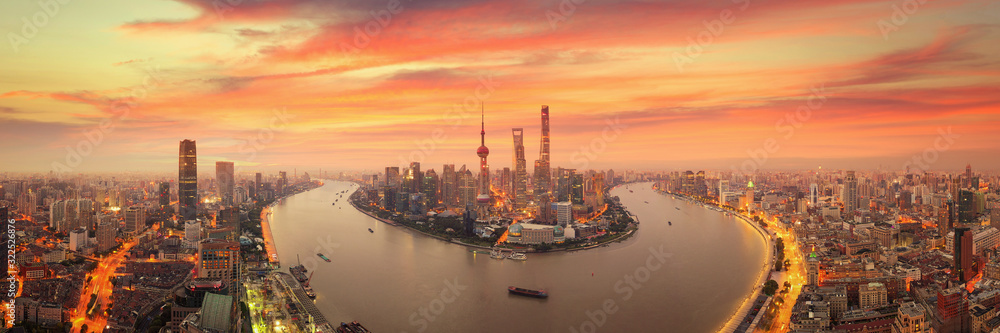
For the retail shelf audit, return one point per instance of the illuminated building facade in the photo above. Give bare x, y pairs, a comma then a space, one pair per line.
219, 259
520, 176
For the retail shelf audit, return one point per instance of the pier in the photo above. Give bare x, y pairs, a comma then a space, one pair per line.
299, 296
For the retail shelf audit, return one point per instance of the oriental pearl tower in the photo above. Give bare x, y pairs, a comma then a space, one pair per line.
484, 171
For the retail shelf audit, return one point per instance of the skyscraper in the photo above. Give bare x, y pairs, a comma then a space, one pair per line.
466, 188
449, 186
576, 189
561, 184
416, 178
225, 181
483, 199
282, 181
520, 185
187, 180
192, 233
77, 239
106, 235
430, 188
956, 185
963, 254
966, 208
564, 212
950, 210
230, 218
164, 194
258, 185
505, 180
598, 184
967, 181
543, 176
135, 219
850, 193
219, 259
392, 177
813, 194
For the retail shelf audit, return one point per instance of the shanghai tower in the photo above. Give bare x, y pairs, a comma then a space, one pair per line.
187, 180
520, 170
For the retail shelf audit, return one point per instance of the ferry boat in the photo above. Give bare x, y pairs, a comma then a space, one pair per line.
670, 223
323, 256
677, 208
517, 256
497, 254
370, 230
528, 292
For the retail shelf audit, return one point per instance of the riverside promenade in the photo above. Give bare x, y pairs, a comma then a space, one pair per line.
736, 319
734, 322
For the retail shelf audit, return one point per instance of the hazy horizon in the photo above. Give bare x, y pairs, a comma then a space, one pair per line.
284, 84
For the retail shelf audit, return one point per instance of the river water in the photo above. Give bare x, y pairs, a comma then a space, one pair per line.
688, 277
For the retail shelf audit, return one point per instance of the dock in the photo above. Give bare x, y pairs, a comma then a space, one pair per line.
303, 300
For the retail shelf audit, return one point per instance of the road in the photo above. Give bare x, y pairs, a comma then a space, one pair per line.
795, 274
100, 284
265, 229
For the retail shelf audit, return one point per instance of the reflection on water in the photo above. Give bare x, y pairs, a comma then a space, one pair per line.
688, 277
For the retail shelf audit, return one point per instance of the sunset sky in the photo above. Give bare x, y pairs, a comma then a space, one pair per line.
625, 85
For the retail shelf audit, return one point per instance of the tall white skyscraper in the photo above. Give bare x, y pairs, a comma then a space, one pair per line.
77, 239
564, 212
813, 194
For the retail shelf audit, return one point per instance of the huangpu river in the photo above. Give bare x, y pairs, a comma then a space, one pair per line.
687, 277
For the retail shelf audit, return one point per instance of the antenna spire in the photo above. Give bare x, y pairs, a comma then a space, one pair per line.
483, 123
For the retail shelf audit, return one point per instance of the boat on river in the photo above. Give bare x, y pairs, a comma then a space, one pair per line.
528, 292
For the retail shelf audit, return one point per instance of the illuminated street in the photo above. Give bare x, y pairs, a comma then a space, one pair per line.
100, 284
795, 274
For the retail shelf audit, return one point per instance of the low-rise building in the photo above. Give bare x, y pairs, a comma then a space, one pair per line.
980, 315
526, 233
871, 295
910, 319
